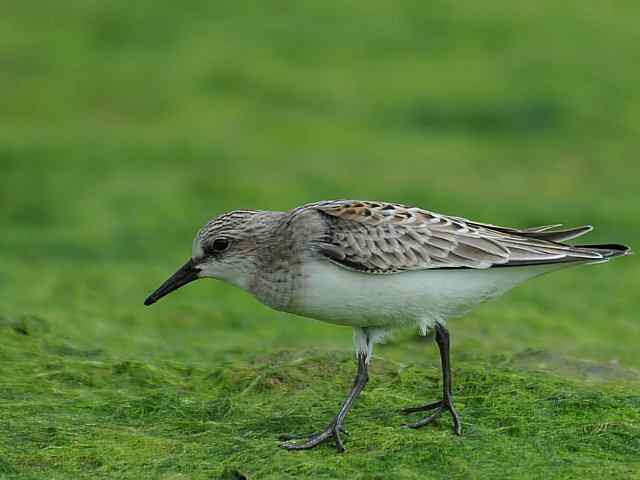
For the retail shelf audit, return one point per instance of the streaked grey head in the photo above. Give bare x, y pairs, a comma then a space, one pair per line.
226, 248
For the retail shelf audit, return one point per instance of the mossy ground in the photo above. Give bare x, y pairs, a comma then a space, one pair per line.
84, 414
125, 125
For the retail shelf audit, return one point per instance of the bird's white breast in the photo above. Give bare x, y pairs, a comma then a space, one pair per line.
337, 295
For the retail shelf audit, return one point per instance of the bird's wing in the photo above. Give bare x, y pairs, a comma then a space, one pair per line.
382, 238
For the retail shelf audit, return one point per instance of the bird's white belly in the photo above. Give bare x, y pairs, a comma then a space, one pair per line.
337, 295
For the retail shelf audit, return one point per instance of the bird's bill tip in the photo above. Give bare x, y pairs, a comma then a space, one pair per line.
185, 274
150, 300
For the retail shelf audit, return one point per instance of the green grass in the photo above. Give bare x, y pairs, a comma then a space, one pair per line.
126, 125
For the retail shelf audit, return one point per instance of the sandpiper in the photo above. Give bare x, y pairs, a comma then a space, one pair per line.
376, 266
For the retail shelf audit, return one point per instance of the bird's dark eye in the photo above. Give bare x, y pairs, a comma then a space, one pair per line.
220, 244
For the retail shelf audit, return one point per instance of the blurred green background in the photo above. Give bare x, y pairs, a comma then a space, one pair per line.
124, 126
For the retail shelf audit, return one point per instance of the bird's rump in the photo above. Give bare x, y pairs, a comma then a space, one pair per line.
384, 238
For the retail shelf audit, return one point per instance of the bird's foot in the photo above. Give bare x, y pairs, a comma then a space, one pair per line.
298, 436
438, 407
331, 432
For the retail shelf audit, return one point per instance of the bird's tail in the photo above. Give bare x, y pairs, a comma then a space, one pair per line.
553, 237
606, 250
551, 233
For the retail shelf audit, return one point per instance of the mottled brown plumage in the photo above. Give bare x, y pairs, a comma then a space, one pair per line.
383, 238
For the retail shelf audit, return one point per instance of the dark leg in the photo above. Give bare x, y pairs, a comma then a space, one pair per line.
442, 339
335, 428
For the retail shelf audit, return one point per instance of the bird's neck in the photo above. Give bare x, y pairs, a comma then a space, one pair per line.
279, 258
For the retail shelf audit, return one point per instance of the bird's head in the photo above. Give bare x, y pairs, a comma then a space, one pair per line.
226, 248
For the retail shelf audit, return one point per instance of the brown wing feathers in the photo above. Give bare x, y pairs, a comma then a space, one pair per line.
378, 237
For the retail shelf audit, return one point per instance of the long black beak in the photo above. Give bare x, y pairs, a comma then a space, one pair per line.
186, 274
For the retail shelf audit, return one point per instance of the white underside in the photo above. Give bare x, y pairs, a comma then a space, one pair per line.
420, 298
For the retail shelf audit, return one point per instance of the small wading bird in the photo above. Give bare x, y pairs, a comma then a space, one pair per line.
376, 266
